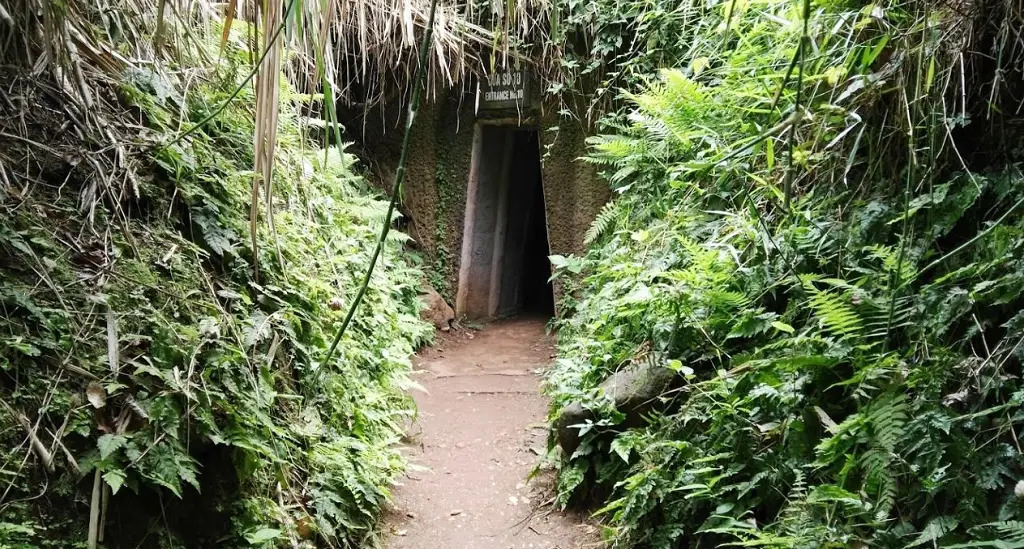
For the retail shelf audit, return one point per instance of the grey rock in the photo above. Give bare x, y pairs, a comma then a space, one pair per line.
436, 310
633, 390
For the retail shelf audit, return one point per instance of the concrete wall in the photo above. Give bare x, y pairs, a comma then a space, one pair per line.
437, 169
485, 219
573, 192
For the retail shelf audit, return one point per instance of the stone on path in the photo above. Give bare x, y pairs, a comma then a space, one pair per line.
436, 310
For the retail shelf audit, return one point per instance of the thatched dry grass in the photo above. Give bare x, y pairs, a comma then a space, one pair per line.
365, 48
370, 49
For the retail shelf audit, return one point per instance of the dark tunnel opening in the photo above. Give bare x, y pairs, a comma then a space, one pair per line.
505, 269
536, 296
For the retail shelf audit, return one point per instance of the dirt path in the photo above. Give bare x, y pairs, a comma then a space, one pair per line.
480, 433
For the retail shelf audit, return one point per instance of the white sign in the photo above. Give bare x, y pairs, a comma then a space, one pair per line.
506, 89
505, 86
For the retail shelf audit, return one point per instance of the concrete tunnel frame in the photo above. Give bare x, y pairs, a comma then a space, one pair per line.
438, 174
500, 245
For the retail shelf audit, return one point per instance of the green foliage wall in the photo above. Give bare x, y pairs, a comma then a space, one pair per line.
797, 235
219, 425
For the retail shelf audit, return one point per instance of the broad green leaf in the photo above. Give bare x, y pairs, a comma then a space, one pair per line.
262, 535
782, 327
108, 444
115, 479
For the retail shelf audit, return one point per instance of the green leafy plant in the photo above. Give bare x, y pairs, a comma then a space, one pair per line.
153, 374
817, 272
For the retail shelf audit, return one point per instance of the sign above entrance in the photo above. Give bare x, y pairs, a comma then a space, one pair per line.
507, 89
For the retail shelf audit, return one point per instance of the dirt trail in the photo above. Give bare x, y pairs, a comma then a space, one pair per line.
480, 432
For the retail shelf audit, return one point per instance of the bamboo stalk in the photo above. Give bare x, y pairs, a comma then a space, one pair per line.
396, 188
105, 501
37, 445
94, 512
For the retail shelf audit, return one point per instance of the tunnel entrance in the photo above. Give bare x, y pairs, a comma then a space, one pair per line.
505, 269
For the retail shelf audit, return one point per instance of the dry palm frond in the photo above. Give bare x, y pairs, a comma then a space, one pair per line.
370, 49
66, 48
268, 91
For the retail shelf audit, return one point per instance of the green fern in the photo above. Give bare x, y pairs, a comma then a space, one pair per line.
601, 223
776, 263
833, 309
886, 419
1003, 535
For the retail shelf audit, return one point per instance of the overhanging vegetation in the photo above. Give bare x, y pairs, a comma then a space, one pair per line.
818, 228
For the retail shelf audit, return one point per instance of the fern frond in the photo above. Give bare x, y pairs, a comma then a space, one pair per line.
1001, 535
1011, 531
876, 316
833, 310
887, 418
600, 224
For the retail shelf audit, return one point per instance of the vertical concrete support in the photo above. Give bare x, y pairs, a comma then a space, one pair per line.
500, 202
468, 224
483, 235
500, 226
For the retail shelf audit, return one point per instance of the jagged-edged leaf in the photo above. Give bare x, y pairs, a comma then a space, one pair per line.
115, 479
934, 531
108, 444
